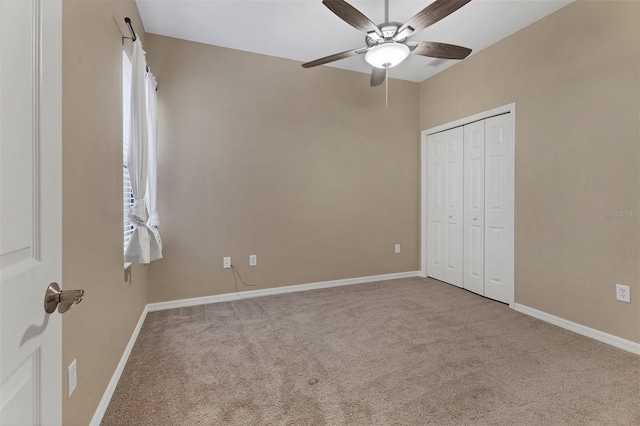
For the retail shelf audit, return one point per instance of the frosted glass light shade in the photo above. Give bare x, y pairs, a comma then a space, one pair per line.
387, 55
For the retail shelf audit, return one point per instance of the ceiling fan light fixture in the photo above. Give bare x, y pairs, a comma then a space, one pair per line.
387, 55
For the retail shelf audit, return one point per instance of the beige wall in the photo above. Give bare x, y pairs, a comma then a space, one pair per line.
96, 331
303, 168
575, 79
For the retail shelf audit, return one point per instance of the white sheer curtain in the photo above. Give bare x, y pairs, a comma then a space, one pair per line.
138, 250
152, 131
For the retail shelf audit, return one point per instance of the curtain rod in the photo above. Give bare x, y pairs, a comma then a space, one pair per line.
133, 36
133, 33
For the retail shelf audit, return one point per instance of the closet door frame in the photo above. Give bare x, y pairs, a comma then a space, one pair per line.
424, 152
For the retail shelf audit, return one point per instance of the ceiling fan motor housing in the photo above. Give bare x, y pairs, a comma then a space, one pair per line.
388, 30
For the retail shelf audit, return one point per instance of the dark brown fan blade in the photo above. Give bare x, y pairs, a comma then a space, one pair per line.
440, 50
431, 14
377, 76
332, 58
352, 16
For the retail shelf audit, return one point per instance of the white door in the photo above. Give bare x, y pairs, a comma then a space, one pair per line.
474, 207
499, 204
30, 210
444, 180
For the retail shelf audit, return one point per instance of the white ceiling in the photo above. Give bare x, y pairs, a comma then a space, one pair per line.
305, 30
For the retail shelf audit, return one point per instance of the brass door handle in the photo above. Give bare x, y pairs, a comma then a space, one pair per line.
61, 299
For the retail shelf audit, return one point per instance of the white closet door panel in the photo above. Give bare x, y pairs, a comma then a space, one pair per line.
454, 209
474, 193
499, 181
435, 182
436, 186
445, 235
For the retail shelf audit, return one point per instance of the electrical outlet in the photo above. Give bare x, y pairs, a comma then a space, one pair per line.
253, 260
397, 248
226, 262
72, 377
623, 293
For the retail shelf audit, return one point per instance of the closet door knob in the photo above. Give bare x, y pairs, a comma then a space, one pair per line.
450, 217
474, 218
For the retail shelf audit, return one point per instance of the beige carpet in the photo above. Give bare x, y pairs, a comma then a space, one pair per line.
403, 352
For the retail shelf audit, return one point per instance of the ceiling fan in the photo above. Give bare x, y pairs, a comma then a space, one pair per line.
386, 44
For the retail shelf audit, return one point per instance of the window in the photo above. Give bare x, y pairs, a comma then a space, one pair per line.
127, 192
142, 243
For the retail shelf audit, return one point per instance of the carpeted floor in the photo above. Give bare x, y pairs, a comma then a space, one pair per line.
404, 352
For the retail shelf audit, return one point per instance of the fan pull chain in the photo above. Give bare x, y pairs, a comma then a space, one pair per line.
386, 88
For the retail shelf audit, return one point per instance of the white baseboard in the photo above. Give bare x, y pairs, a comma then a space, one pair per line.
108, 393
276, 290
598, 335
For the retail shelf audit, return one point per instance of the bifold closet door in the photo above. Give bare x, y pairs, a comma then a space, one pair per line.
445, 182
473, 228
499, 204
